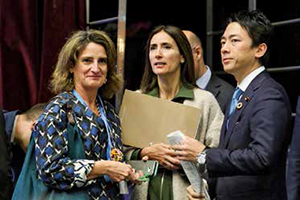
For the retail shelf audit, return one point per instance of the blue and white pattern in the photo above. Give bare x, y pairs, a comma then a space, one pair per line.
51, 146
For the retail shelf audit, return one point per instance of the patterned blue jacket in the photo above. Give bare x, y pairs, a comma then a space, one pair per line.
51, 146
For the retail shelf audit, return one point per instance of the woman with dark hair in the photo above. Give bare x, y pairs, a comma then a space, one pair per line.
169, 74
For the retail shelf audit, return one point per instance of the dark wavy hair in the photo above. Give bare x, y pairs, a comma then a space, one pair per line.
187, 76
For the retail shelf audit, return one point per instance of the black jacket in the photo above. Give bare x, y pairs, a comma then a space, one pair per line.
6, 186
221, 90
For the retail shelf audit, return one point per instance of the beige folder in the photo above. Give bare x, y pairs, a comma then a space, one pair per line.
146, 119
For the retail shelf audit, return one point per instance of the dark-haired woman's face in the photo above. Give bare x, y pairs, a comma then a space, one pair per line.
164, 54
90, 70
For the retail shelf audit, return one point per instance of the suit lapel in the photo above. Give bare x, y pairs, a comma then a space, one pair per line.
245, 100
234, 119
213, 86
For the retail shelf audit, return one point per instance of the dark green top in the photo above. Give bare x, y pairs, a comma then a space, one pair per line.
155, 186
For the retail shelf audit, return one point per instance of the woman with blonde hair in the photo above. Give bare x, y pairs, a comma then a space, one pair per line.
84, 79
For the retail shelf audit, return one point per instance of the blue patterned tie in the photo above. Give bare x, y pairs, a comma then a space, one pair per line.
235, 98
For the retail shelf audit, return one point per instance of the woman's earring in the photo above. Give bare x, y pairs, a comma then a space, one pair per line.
182, 60
105, 80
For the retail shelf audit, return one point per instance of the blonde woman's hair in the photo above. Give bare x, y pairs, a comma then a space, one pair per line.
62, 79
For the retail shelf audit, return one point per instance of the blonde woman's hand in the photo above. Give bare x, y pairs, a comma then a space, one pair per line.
117, 171
134, 177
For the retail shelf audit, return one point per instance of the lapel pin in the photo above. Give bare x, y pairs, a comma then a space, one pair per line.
239, 105
247, 99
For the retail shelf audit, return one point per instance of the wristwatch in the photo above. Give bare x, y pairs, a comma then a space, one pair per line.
201, 158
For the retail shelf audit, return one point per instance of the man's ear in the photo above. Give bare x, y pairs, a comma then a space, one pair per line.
33, 124
198, 51
261, 50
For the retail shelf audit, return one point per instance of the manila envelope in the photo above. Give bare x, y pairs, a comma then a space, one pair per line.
146, 119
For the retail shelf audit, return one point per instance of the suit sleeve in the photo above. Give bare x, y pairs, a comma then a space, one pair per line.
9, 123
6, 187
258, 137
293, 168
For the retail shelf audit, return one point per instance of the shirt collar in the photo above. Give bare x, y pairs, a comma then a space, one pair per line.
248, 79
183, 92
12, 139
204, 79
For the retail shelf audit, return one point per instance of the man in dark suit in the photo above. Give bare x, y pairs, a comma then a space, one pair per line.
250, 162
6, 186
293, 168
205, 79
17, 132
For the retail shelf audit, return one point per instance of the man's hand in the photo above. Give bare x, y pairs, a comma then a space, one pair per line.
192, 195
188, 149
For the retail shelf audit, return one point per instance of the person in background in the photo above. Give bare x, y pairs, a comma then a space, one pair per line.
6, 184
205, 78
18, 128
250, 162
84, 79
169, 74
293, 167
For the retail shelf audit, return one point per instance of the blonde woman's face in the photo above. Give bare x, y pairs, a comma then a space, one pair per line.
90, 70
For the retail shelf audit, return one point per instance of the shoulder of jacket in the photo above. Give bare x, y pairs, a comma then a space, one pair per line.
201, 97
62, 99
200, 93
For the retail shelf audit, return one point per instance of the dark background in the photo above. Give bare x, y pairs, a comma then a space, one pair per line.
143, 16
33, 31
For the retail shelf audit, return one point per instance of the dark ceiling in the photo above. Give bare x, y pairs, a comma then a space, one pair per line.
143, 15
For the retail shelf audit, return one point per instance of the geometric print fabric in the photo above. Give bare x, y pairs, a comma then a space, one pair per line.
54, 167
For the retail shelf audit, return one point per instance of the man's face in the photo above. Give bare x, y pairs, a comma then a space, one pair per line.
238, 57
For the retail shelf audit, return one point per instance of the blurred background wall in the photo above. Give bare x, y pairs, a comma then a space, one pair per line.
33, 31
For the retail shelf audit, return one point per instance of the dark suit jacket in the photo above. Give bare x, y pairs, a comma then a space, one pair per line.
221, 90
293, 169
18, 154
6, 187
251, 157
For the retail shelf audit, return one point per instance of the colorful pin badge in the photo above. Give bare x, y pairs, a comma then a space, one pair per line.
116, 155
239, 105
247, 99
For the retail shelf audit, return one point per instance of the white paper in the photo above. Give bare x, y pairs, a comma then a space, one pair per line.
189, 167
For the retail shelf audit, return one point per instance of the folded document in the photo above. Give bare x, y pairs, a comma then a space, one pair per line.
190, 168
